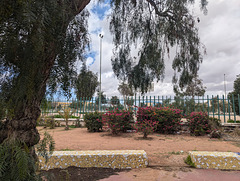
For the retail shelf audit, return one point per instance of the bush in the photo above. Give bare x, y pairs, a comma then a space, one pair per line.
146, 126
167, 119
199, 123
118, 120
232, 121
93, 121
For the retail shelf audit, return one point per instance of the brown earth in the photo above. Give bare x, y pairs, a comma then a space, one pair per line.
166, 153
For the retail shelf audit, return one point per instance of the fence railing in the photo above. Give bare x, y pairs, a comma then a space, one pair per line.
216, 106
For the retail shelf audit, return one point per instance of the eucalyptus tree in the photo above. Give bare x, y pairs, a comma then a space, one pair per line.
193, 88
154, 27
86, 83
40, 40
234, 96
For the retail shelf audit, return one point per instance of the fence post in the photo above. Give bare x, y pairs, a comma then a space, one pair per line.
213, 106
224, 109
218, 107
239, 104
229, 113
208, 104
203, 103
154, 100
162, 101
234, 112
150, 101
143, 101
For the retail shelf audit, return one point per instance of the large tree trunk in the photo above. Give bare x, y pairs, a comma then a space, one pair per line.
22, 125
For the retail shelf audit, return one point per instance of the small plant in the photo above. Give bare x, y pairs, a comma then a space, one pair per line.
189, 161
50, 122
93, 121
66, 114
78, 124
46, 146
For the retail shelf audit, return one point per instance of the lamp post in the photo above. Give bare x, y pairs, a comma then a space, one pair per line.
100, 89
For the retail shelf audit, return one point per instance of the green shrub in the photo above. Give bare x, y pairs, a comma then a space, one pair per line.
93, 121
232, 121
167, 119
118, 120
60, 116
189, 161
198, 123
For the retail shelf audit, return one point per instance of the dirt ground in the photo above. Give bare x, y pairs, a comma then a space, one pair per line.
166, 154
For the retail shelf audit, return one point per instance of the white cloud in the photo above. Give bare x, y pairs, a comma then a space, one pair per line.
219, 32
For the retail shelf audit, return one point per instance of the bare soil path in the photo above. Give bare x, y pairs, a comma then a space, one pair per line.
166, 153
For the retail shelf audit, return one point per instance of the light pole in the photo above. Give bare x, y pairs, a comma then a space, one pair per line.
100, 89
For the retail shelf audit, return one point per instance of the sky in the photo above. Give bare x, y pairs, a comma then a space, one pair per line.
219, 31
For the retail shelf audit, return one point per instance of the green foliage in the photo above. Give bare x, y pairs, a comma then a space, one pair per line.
115, 101
189, 161
2, 110
198, 123
118, 120
103, 98
193, 88
86, 83
234, 96
167, 119
16, 163
154, 27
125, 89
232, 121
60, 116
40, 43
66, 114
93, 121
46, 146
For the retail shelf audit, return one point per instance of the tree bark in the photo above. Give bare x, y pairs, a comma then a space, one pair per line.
22, 125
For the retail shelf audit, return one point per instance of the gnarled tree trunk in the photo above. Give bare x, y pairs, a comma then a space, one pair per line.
22, 125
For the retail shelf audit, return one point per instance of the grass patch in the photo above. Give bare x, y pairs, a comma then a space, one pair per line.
176, 153
67, 149
189, 162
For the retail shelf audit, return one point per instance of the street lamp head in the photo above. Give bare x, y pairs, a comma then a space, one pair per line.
100, 35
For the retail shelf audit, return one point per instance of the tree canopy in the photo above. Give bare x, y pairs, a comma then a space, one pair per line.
40, 41
193, 88
234, 96
86, 83
155, 26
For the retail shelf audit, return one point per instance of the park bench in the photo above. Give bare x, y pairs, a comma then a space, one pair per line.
216, 160
122, 159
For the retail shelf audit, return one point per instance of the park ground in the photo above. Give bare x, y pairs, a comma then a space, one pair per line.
166, 155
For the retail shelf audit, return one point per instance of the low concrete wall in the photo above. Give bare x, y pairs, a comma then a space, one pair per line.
123, 159
216, 160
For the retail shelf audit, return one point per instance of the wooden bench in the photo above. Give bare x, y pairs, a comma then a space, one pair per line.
122, 159
216, 160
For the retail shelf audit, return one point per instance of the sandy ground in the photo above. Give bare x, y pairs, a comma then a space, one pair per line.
166, 153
